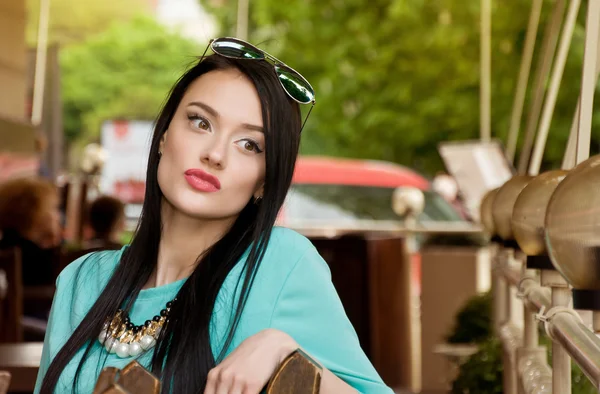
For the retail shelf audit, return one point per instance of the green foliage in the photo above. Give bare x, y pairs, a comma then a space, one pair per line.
482, 372
124, 72
395, 78
473, 321
72, 21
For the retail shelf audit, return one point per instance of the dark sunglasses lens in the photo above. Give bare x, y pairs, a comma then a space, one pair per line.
236, 49
295, 85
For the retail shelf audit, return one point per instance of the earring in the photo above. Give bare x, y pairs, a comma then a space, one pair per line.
257, 200
159, 153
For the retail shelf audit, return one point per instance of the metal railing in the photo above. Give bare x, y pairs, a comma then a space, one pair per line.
544, 297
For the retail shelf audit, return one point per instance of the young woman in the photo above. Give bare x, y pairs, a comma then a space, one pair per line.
209, 295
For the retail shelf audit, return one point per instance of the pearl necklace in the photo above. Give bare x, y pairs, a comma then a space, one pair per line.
119, 335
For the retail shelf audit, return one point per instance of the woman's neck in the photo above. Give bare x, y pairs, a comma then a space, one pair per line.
183, 240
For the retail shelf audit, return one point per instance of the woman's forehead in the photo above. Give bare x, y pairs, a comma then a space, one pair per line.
229, 93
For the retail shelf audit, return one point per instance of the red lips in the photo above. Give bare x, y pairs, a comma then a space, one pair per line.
202, 181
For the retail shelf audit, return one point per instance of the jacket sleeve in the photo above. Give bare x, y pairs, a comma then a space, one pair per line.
309, 309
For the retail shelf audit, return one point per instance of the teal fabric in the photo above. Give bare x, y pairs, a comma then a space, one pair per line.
292, 292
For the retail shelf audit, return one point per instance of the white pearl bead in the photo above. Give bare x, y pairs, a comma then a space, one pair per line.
147, 342
122, 350
110, 345
135, 349
102, 336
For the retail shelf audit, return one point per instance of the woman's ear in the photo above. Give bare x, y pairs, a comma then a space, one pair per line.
259, 192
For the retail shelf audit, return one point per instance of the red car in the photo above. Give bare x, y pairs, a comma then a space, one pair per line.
347, 192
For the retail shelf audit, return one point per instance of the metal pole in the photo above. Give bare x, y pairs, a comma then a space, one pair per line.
542, 69
524, 71
242, 19
561, 361
486, 67
510, 334
511, 342
555, 80
566, 328
569, 157
584, 133
499, 288
40, 64
530, 335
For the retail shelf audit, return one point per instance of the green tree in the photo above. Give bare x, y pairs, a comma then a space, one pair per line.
124, 72
72, 21
395, 78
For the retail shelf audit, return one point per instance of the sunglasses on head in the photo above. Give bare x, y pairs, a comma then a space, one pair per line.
294, 84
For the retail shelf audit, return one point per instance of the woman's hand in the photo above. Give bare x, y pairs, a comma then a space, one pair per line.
250, 366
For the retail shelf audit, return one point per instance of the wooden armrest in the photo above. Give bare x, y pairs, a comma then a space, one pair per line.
132, 379
297, 374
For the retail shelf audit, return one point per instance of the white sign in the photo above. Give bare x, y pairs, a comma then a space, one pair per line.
477, 167
126, 144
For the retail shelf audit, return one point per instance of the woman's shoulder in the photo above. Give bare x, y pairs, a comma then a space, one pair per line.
288, 252
287, 249
91, 270
288, 241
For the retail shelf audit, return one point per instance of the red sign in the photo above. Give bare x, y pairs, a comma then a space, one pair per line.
121, 128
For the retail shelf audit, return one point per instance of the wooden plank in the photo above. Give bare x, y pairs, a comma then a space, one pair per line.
22, 361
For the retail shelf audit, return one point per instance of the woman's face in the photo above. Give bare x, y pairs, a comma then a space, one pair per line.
213, 159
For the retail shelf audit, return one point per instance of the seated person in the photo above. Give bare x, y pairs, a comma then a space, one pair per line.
106, 223
30, 220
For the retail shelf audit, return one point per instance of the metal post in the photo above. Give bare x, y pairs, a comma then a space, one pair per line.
569, 157
499, 288
552, 96
530, 334
524, 71
592, 30
486, 66
40, 64
596, 321
506, 328
561, 361
242, 19
542, 69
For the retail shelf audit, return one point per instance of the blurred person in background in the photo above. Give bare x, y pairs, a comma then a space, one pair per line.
30, 220
106, 223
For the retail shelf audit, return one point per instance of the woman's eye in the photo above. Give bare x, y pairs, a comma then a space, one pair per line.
199, 122
250, 146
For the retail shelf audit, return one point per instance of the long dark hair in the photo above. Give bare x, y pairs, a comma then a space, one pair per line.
183, 356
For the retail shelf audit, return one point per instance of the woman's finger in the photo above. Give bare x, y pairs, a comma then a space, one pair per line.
224, 381
211, 381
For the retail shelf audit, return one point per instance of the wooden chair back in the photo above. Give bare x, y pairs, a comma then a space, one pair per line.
11, 296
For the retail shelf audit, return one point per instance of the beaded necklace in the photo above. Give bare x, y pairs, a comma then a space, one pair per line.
119, 335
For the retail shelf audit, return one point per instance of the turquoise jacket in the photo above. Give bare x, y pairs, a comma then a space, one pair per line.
292, 292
